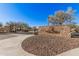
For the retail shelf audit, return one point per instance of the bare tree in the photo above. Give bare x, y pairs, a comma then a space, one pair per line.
12, 26
60, 17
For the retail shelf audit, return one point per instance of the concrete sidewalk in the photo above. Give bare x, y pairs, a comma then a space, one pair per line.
73, 52
12, 46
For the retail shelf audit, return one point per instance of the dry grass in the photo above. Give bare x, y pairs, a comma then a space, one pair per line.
47, 45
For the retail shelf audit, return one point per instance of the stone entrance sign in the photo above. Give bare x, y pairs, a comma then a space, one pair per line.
63, 31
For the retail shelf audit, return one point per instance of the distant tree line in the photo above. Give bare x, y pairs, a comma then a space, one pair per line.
16, 25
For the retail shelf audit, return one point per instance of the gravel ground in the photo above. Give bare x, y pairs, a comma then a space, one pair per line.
47, 45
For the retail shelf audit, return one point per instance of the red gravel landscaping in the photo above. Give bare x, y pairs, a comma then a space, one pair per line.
47, 45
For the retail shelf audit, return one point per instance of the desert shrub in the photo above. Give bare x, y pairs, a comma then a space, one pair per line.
36, 33
77, 29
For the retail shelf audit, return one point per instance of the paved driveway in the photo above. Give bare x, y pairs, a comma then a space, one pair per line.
12, 46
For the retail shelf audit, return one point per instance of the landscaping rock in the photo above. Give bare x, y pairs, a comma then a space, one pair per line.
47, 45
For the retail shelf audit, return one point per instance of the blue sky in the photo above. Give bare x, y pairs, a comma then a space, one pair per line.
35, 14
